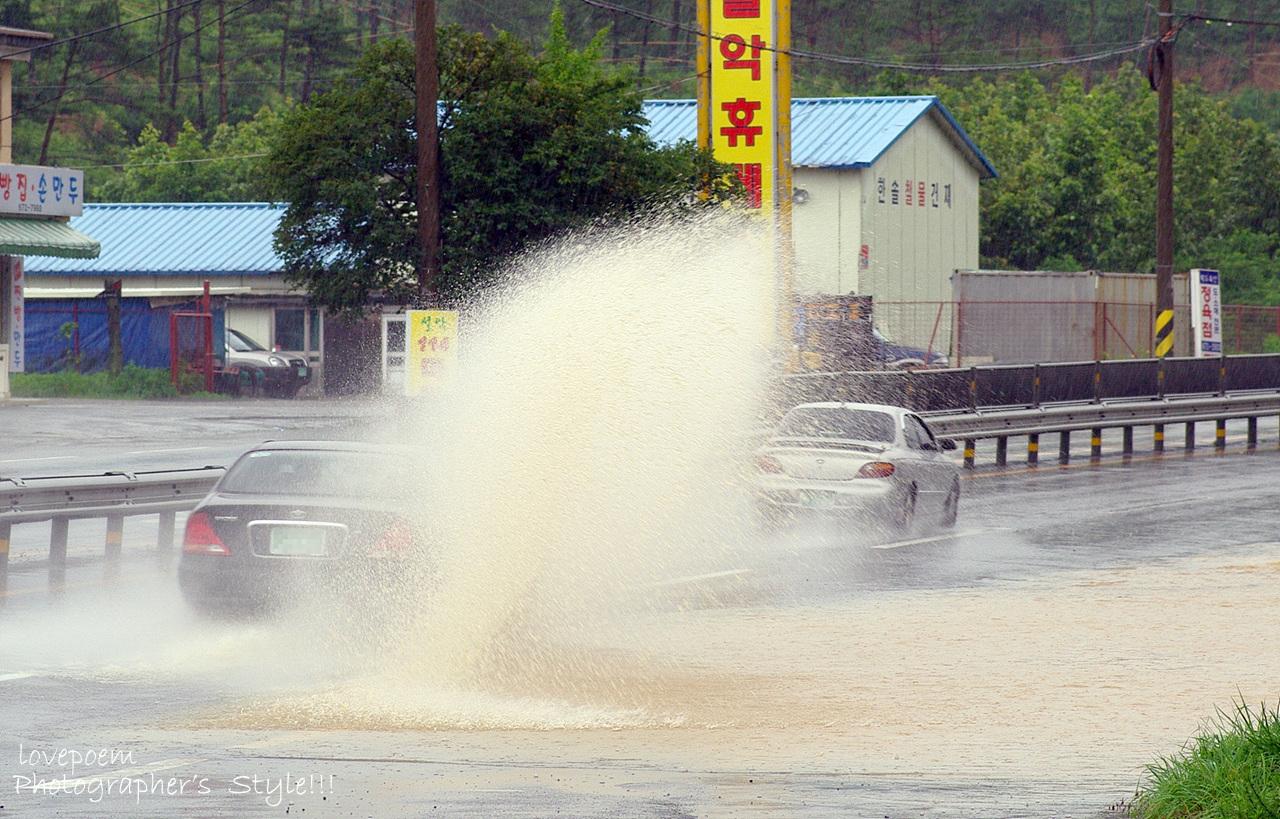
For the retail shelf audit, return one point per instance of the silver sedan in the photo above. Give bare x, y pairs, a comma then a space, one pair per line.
860, 460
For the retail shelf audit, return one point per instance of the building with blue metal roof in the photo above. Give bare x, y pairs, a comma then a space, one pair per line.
885, 202
162, 254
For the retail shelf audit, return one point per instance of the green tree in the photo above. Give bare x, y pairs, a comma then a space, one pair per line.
531, 145
1077, 179
226, 167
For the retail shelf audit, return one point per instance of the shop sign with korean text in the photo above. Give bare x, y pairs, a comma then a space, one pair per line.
1206, 313
33, 190
432, 358
744, 95
18, 318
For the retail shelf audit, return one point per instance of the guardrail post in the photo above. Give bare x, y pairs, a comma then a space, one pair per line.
1128, 441
973, 389
1253, 434
1097, 381
1002, 450
1095, 444
1033, 448
969, 447
164, 534
6, 529
1064, 447
1189, 442
115, 536
1157, 443
1035, 387
57, 547
1220, 435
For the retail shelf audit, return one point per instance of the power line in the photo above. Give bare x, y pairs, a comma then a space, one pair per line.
103, 30
147, 56
175, 161
885, 64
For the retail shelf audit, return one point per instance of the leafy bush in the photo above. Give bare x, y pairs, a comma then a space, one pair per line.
1230, 771
133, 382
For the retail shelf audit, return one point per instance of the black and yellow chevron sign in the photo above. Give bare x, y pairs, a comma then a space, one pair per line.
1164, 333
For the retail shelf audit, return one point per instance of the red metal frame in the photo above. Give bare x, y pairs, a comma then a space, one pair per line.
205, 356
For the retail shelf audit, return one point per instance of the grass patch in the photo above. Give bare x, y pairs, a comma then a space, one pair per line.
1230, 771
133, 382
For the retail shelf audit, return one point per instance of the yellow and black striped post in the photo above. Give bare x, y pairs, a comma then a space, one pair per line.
1163, 345
1220, 435
1164, 334
1033, 448
1157, 444
5, 530
970, 447
1095, 445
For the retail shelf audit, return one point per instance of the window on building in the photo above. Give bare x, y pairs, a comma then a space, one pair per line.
297, 329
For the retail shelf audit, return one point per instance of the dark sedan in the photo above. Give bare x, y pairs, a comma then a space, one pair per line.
297, 521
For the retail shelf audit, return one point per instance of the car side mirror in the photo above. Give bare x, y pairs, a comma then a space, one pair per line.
947, 444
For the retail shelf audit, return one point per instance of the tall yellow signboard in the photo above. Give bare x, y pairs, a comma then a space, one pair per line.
743, 100
748, 95
744, 116
433, 350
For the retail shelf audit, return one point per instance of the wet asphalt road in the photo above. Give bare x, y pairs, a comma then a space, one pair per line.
112, 660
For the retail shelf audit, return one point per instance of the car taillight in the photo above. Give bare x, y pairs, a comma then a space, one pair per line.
200, 539
397, 538
876, 469
768, 463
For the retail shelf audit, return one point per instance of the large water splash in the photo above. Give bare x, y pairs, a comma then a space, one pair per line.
592, 446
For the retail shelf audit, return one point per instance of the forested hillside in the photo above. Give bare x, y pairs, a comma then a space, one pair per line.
181, 99
86, 101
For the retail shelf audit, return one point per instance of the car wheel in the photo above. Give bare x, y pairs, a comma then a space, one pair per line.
906, 513
951, 508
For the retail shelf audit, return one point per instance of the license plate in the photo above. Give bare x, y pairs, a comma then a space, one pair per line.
302, 372
297, 542
817, 500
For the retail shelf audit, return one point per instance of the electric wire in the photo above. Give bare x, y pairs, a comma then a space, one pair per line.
885, 64
181, 36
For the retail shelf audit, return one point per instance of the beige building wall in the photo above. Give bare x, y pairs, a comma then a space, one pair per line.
854, 236
827, 230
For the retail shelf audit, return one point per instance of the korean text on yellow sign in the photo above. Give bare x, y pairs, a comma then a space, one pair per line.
433, 350
743, 95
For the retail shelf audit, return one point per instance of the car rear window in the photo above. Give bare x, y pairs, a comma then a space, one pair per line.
317, 472
836, 422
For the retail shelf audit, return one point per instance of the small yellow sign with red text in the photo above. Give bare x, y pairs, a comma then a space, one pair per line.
433, 350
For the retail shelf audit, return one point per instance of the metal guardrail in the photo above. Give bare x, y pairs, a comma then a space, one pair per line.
113, 495
1067, 418
1034, 385
986, 402
1002, 401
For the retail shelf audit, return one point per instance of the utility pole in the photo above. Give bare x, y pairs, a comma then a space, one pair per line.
427, 87
1161, 77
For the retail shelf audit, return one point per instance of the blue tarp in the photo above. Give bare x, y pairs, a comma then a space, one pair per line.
59, 330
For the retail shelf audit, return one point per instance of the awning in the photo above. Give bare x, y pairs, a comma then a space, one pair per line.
32, 237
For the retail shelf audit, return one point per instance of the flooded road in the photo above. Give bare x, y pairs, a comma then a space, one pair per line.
603, 635
1078, 624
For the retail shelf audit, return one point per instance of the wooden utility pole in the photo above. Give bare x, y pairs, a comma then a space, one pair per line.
1162, 78
427, 87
